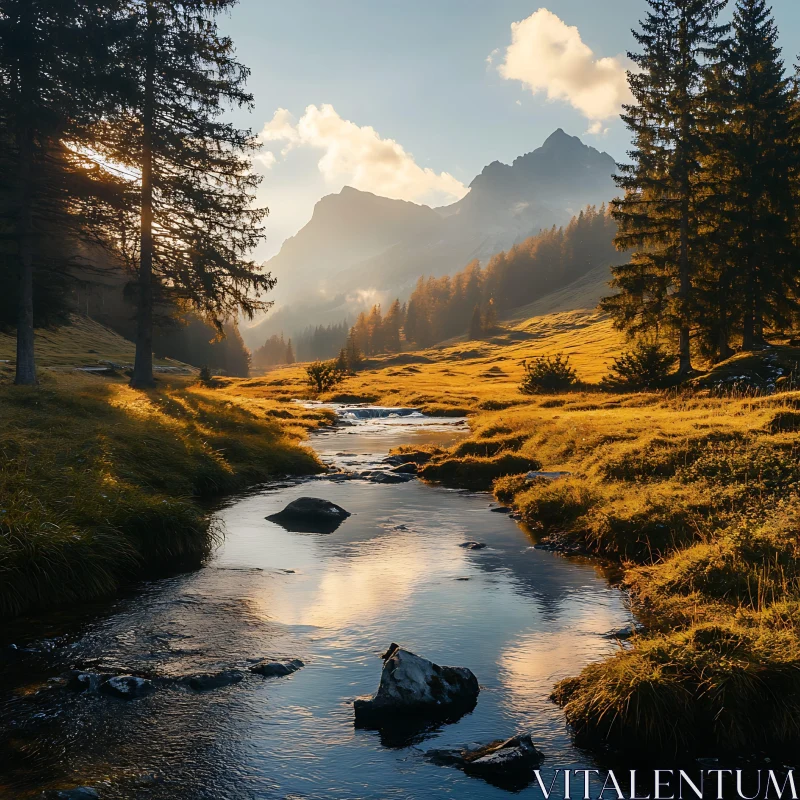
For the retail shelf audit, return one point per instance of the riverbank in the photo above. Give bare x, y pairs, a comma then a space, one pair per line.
100, 483
696, 498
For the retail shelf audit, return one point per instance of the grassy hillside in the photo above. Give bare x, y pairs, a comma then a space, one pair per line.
81, 343
99, 482
695, 495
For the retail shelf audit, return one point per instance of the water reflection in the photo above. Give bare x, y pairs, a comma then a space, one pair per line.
519, 618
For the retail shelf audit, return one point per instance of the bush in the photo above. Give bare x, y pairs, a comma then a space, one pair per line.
477, 474
324, 375
647, 366
548, 374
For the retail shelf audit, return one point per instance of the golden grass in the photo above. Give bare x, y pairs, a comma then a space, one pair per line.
694, 494
83, 342
98, 482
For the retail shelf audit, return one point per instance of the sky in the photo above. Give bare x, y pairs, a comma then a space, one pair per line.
412, 99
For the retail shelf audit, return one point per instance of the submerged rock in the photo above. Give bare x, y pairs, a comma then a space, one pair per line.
214, 680
83, 681
412, 686
409, 468
127, 686
79, 793
473, 545
277, 669
504, 760
501, 509
310, 515
382, 476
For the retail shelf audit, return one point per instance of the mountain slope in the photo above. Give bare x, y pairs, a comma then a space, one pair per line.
359, 247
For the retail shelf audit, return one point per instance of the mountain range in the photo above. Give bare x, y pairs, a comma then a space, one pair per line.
359, 248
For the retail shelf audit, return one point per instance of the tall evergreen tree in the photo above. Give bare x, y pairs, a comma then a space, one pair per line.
658, 216
54, 82
197, 221
753, 166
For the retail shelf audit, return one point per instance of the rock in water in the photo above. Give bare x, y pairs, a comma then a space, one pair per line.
509, 763
127, 686
473, 545
80, 793
310, 515
214, 680
412, 686
504, 759
277, 669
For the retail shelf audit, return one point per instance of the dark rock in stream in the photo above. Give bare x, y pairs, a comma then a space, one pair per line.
501, 509
214, 680
127, 687
79, 793
382, 476
310, 515
511, 761
412, 686
473, 545
406, 469
277, 669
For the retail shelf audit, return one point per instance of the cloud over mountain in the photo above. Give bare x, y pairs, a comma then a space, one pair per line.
547, 55
359, 156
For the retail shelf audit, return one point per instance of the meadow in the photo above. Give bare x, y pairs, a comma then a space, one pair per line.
101, 484
691, 495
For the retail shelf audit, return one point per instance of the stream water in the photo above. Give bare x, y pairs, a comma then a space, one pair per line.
518, 617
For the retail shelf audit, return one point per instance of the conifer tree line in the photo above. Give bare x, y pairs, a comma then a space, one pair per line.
469, 301
114, 140
276, 350
710, 199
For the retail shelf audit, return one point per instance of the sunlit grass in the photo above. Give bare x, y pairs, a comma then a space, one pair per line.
98, 482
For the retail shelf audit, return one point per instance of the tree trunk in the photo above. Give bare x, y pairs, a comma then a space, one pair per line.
684, 289
26, 357
143, 364
26, 361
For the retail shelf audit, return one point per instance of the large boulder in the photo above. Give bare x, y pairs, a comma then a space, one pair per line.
412, 686
310, 515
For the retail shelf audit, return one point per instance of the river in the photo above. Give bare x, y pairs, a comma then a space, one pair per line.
520, 618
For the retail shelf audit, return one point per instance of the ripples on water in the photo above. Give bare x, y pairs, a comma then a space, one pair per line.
521, 620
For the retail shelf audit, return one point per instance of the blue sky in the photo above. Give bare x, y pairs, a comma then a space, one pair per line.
416, 72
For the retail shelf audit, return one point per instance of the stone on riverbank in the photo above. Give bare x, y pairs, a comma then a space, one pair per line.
277, 669
310, 515
412, 686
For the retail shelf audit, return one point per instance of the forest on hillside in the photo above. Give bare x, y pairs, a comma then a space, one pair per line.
468, 302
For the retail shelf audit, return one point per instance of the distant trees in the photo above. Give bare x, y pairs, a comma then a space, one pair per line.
710, 201
276, 350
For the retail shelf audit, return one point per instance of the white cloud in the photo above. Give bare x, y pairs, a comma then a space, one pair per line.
547, 55
359, 156
267, 159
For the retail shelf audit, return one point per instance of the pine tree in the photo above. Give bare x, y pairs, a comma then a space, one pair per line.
659, 214
391, 327
754, 163
197, 221
290, 359
476, 323
55, 83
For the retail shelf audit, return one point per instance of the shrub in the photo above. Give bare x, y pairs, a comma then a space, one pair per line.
548, 374
324, 375
647, 366
477, 474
